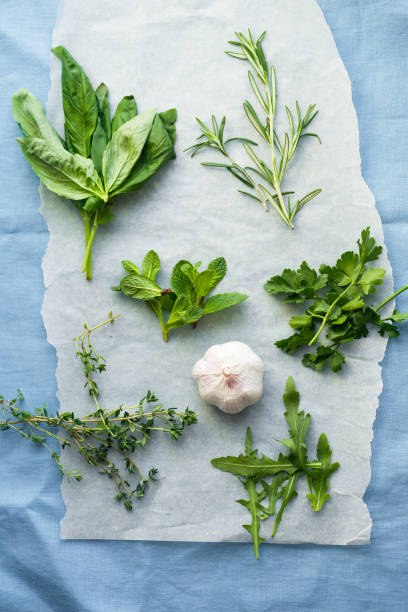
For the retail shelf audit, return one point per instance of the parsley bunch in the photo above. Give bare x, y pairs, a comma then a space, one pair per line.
101, 157
102, 435
188, 299
252, 469
336, 299
262, 178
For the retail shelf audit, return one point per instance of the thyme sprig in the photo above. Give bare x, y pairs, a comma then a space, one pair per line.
262, 80
103, 436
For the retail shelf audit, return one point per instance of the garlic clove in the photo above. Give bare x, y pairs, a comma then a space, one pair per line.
230, 376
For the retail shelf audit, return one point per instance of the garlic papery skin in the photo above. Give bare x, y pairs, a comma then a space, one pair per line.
230, 376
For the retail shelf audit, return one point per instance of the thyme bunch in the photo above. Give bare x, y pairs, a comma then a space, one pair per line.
102, 437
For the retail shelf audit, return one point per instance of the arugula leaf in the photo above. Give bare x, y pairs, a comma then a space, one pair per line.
79, 102
125, 148
283, 474
125, 110
186, 301
288, 493
338, 304
67, 175
320, 477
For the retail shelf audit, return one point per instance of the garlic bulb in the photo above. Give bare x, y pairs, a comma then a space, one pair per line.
230, 376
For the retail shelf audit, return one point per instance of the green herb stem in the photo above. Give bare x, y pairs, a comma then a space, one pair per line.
333, 304
391, 297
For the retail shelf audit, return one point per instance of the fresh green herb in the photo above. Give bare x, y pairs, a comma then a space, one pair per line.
187, 301
337, 303
282, 150
283, 473
100, 158
102, 435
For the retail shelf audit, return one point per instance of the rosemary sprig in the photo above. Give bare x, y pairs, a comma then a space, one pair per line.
263, 83
102, 436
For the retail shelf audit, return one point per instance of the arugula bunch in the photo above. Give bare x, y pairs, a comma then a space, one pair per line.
337, 303
103, 434
252, 469
100, 158
188, 300
282, 150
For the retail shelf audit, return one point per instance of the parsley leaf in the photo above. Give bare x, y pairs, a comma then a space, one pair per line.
337, 299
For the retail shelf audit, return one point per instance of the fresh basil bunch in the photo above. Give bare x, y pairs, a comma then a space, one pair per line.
100, 158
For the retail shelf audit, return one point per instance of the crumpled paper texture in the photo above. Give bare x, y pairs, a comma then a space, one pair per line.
171, 55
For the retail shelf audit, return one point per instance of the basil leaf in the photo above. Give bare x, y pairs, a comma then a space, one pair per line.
102, 96
102, 131
223, 300
125, 148
125, 111
151, 265
158, 149
139, 287
30, 116
79, 102
70, 176
169, 118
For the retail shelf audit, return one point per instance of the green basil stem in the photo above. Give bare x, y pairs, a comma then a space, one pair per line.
388, 299
89, 238
87, 224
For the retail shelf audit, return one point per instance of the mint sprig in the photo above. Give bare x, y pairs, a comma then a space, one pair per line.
255, 471
188, 300
338, 303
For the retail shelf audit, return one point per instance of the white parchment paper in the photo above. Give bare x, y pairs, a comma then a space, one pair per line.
170, 54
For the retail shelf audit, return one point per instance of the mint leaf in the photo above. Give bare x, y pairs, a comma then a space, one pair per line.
139, 287
223, 300
181, 284
151, 265
130, 267
219, 267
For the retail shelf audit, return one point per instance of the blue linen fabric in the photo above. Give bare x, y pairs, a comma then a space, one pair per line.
41, 573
